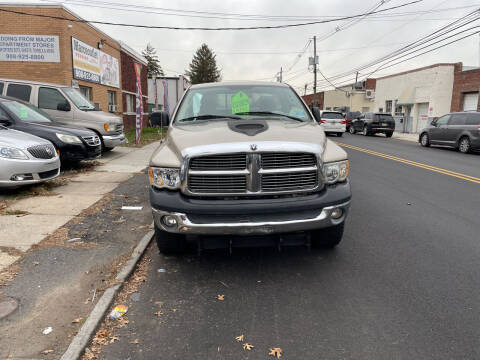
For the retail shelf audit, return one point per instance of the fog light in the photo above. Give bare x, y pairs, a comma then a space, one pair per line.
21, 177
336, 213
169, 220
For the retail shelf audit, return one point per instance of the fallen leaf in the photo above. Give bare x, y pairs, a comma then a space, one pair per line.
248, 346
35, 263
136, 341
159, 313
86, 301
76, 321
89, 354
221, 297
113, 339
159, 303
276, 352
47, 351
239, 338
174, 310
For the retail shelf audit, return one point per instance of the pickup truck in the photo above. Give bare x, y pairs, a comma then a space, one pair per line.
243, 163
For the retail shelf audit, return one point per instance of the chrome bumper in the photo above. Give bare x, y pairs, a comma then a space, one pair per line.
186, 226
110, 141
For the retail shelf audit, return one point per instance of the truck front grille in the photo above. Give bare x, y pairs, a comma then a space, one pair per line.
253, 173
42, 151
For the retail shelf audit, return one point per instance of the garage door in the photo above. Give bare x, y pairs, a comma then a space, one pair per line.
470, 102
422, 119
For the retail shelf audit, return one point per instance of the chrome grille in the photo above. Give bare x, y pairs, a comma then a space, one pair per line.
220, 162
92, 140
287, 160
253, 173
217, 184
42, 151
289, 181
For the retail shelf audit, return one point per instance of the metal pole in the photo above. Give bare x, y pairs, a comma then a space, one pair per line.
315, 71
281, 74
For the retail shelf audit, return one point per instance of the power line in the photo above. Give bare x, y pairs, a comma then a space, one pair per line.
283, 26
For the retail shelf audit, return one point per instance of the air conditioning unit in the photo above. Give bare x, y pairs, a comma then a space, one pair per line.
112, 108
370, 94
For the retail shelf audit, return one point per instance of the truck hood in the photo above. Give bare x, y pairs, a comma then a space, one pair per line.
181, 137
18, 139
102, 116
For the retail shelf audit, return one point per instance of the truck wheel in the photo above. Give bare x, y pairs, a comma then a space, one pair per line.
424, 140
329, 237
170, 243
464, 145
365, 131
339, 134
351, 129
389, 133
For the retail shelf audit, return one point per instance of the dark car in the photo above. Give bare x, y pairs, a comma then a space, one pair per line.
457, 130
350, 116
372, 123
72, 143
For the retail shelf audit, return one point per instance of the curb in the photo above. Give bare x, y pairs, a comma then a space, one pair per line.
82, 339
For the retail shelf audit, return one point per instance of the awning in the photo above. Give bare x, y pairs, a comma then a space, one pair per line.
407, 97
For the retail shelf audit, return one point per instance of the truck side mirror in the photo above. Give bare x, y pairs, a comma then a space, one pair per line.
63, 106
316, 113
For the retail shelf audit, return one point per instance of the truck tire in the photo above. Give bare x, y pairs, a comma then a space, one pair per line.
389, 134
351, 130
339, 134
170, 243
464, 145
365, 131
327, 238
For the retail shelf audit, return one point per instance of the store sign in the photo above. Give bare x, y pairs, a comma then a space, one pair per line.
36, 48
139, 106
91, 64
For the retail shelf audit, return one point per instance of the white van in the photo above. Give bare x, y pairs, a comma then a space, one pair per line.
67, 105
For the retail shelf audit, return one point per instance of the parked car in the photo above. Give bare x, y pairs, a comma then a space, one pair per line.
332, 122
459, 130
350, 116
244, 159
26, 159
67, 105
71, 143
372, 123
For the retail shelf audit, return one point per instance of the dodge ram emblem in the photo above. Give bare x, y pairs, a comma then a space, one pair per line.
253, 147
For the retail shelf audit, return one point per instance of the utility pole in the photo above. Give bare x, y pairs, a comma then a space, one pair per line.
315, 67
356, 79
281, 73
305, 92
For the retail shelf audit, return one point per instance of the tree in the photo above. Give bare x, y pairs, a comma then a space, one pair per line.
153, 66
203, 68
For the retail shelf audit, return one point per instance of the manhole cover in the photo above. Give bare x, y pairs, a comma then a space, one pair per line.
7, 306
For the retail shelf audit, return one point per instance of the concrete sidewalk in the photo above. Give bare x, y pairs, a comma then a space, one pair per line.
48, 213
405, 136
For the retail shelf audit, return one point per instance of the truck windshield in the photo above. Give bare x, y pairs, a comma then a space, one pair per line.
241, 102
26, 112
78, 99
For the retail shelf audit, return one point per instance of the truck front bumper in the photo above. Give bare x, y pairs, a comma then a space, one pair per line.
110, 141
251, 216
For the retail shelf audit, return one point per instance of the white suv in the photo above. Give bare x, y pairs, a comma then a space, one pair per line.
333, 122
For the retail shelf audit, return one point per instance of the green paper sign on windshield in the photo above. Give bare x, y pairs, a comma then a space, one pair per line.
240, 103
23, 112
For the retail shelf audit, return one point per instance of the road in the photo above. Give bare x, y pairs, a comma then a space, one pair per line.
403, 284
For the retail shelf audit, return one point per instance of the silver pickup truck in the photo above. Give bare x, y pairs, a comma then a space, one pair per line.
243, 160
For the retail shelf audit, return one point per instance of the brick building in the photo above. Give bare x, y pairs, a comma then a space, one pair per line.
72, 53
466, 86
310, 99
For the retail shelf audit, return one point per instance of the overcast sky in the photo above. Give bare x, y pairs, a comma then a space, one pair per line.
259, 54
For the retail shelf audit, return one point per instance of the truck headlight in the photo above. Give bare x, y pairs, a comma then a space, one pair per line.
164, 177
12, 153
336, 171
69, 139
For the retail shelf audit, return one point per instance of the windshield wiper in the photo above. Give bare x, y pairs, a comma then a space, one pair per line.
206, 117
269, 113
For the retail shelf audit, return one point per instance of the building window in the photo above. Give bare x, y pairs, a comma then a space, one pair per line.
86, 91
18, 91
388, 106
329, 108
49, 98
112, 101
398, 108
380, 109
131, 103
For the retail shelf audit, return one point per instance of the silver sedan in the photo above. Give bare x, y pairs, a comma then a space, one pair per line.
26, 159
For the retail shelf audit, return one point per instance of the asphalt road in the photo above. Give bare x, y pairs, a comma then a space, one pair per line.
403, 284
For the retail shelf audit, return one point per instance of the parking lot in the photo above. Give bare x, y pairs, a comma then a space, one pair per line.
403, 284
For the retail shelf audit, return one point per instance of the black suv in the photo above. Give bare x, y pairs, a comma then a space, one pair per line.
371, 123
459, 130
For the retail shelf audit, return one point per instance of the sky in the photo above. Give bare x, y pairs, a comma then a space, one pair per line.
259, 54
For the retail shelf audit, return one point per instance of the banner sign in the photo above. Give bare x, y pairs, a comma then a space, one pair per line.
37, 48
86, 61
138, 117
166, 105
91, 64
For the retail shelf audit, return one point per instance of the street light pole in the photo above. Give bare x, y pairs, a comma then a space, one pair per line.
154, 77
315, 67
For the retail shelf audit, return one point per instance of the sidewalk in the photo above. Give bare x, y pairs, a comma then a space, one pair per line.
48, 213
405, 136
